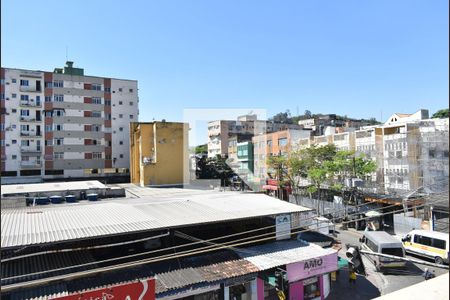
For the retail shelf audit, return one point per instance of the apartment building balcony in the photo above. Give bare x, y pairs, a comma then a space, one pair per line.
30, 150
30, 164
28, 89
30, 103
30, 133
30, 119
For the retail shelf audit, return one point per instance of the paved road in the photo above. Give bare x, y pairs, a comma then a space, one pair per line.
385, 283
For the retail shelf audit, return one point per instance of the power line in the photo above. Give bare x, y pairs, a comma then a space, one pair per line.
150, 260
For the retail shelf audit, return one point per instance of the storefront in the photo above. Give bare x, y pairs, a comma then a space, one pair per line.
310, 279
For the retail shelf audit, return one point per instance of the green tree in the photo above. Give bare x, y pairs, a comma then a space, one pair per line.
200, 149
442, 113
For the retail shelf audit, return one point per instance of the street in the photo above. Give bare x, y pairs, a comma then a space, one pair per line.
376, 283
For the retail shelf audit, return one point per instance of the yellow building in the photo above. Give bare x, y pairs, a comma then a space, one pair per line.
159, 153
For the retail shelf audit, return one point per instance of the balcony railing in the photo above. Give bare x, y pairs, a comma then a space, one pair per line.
30, 164
30, 103
30, 133
30, 149
30, 119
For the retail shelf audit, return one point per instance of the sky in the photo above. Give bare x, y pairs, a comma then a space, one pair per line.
357, 58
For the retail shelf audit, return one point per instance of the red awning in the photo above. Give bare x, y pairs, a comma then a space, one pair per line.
270, 187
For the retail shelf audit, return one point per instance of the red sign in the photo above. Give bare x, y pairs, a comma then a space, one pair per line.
142, 290
272, 182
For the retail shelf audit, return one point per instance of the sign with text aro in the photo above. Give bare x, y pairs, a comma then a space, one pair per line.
141, 290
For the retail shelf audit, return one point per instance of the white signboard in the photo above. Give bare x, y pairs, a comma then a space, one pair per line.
283, 227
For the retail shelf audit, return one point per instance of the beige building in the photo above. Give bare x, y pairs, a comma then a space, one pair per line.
159, 153
220, 131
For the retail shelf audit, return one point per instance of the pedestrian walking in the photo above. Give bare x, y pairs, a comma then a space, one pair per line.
352, 277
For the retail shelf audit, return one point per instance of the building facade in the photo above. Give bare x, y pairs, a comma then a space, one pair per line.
411, 152
159, 153
271, 144
220, 131
64, 124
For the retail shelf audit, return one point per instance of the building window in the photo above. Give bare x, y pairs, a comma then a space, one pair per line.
120, 102
107, 156
59, 127
107, 102
58, 155
2, 143
48, 98
120, 116
96, 87
59, 141
58, 83
14, 156
24, 112
131, 90
25, 143
14, 95
121, 155
97, 155
96, 100
2, 96
48, 128
131, 103
2, 127
24, 82
13, 110
58, 98
120, 89
131, 116
120, 128
96, 114
282, 142
48, 142
48, 85
96, 127
24, 97
121, 143
58, 112
13, 80
108, 89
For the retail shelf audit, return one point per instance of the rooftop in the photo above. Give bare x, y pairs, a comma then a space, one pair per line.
145, 209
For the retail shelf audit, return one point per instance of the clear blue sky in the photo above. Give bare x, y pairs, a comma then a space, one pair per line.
354, 58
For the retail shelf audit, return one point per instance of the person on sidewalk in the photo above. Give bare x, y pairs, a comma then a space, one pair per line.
352, 277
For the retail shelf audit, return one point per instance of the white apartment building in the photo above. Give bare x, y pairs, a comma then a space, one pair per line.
411, 152
63, 124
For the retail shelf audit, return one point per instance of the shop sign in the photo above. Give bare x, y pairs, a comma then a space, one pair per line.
283, 227
142, 290
312, 267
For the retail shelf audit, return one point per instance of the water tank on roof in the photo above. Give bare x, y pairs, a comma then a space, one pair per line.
92, 197
71, 198
56, 199
41, 200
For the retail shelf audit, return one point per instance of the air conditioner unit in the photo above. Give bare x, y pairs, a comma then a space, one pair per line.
148, 160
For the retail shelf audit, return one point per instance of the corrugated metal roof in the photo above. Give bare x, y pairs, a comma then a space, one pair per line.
51, 187
282, 253
177, 279
38, 225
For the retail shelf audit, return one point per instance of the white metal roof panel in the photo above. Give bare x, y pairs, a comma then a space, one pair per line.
283, 253
53, 223
51, 187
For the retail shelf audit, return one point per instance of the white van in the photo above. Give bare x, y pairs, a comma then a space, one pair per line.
431, 244
382, 242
